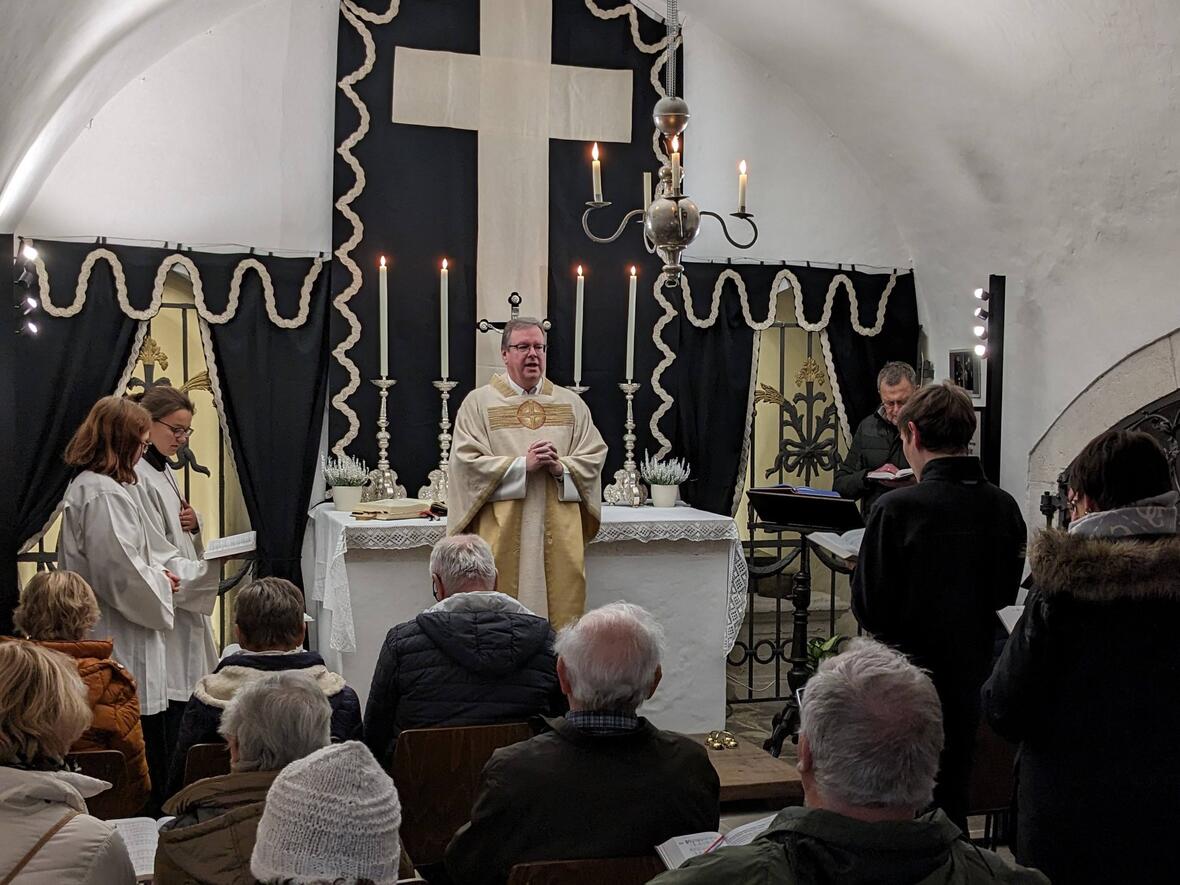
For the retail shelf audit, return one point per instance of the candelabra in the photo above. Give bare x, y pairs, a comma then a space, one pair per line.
627, 487
671, 221
440, 479
382, 480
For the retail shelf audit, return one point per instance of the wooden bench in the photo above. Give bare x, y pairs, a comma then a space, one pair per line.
747, 772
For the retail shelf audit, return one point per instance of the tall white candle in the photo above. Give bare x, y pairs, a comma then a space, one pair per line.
675, 160
646, 190
383, 317
631, 327
443, 311
578, 329
596, 173
742, 186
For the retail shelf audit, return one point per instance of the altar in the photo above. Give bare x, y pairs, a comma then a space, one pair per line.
683, 565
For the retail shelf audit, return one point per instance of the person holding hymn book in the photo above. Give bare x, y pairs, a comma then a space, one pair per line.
869, 743
1089, 682
108, 540
476, 657
936, 562
57, 609
269, 624
49, 839
876, 461
189, 646
600, 782
278, 718
526, 476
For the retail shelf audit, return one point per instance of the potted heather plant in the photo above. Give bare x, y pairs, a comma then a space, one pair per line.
347, 476
665, 478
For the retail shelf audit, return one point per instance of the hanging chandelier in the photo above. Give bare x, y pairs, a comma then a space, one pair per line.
671, 221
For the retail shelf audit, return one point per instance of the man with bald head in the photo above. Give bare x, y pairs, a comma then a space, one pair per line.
602, 781
526, 476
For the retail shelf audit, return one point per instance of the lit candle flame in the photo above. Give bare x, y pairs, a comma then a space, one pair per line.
594, 151
579, 270
742, 167
444, 264
632, 270
383, 261
675, 143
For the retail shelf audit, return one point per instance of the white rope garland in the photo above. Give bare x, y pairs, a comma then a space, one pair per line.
169, 262
215, 389
626, 8
715, 307
837, 281
837, 395
669, 357
744, 459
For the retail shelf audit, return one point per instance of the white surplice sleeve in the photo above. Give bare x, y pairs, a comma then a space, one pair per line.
136, 588
514, 485
198, 582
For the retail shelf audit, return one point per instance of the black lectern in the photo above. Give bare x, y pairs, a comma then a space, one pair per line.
785, 509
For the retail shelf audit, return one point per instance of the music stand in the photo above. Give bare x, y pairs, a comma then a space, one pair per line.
783, 509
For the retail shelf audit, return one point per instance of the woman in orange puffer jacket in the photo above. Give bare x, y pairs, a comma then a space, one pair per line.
57, 610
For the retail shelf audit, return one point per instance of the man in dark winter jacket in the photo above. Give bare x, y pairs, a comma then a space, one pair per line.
876, 445
269, 624
937, 560
476, 657
868, 750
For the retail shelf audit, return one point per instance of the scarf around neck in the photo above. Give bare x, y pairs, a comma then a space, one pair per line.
1155, 516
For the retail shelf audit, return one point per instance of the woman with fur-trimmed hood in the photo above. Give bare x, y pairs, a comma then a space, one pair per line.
1089, 682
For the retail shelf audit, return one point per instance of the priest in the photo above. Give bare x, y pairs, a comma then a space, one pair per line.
526, 475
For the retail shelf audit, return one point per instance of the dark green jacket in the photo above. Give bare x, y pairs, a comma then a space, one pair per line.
875, 443
811, 846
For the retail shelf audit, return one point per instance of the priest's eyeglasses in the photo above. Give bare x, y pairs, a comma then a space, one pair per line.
178, 432
525, 348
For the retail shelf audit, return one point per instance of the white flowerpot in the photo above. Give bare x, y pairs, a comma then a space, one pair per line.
664, 496
347, 497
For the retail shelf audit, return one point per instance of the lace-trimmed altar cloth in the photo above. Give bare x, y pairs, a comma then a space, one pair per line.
336, 533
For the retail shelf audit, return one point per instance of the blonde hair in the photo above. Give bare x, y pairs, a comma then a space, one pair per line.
56, 605
109, 440
43, 703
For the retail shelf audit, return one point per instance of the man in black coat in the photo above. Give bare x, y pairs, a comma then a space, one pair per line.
876, 444
475, 658
602, 781
938, 559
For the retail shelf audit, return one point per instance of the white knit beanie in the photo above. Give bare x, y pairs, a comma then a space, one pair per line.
333, 814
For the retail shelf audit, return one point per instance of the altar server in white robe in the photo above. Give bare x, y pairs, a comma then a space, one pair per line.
190, 649
105, 538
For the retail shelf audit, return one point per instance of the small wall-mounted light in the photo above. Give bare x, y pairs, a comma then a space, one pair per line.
981, 350
981, 312
29, 304
29, 251
30, 327
979, 332
981, 294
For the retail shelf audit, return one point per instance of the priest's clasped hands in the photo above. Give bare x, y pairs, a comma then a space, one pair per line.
543, 454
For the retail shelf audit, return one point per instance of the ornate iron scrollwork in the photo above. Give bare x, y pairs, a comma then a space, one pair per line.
807, 440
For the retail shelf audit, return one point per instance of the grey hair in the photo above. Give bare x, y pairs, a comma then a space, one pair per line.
277, 718
519, 323
464, 562
894, 372
874, 724
611, 655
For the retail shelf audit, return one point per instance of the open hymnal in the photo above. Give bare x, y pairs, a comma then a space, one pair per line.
845, 546
391, 508
141, 835
885, 475
678, 849
232, 545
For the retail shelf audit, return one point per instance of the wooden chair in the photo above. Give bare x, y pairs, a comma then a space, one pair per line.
992, 787
106, 765
205, 760
436, 771
615, 870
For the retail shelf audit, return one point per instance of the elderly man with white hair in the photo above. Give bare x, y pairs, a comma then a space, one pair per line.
476, 657
869, 742
270, 722
602, 781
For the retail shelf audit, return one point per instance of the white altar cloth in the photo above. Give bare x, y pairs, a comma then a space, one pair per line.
683, 565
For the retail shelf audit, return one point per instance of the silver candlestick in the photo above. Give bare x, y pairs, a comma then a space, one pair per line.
579, 389
627, 488
438, 487
383, 481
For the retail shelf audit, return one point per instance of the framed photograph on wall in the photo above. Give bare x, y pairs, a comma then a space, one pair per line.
966, 370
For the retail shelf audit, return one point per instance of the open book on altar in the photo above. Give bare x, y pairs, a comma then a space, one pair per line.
392, 508
845, 546
678, 849
141, 835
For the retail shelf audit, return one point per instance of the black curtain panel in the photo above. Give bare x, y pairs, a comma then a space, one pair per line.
273, 382
58, 374
859, 357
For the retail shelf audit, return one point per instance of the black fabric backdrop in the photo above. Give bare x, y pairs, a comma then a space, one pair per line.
62, 371
419, 205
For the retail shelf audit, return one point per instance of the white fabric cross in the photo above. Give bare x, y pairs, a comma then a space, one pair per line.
516, 100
